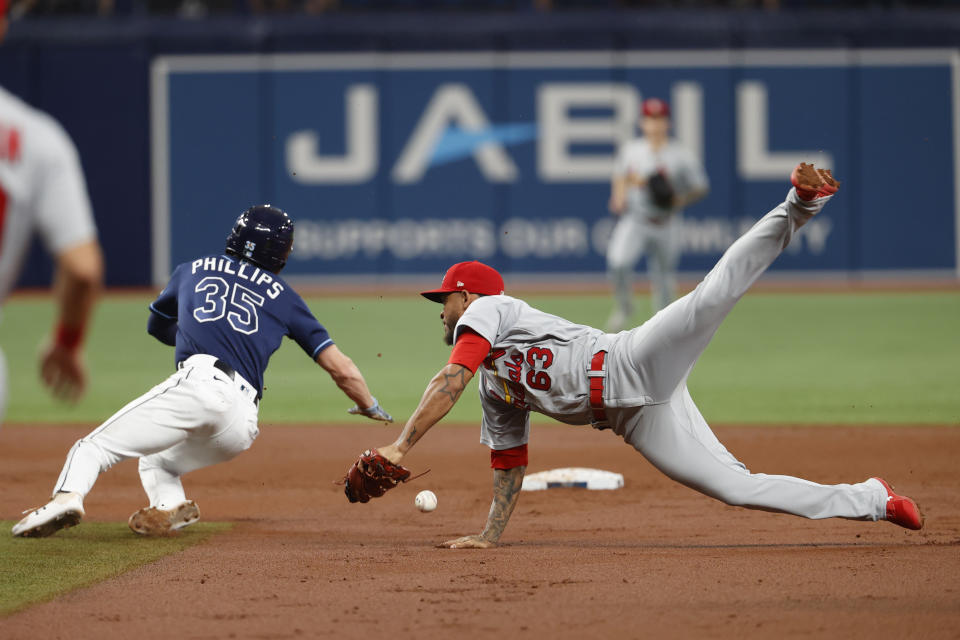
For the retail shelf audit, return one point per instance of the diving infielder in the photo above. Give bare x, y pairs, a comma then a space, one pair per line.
634, 382
644, 228
225, 315
42, 190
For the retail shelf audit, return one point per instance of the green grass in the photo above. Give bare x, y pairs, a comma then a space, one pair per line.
798, 358
835, 358
37, 570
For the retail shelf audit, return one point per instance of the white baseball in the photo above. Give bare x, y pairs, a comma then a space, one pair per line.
426, 501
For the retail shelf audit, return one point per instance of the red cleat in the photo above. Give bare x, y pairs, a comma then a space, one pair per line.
901, 510
812, 183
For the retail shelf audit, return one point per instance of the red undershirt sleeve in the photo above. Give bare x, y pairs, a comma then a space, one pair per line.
469, 351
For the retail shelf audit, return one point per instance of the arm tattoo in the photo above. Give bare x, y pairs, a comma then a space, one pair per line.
446, 385
506, 492
454, 384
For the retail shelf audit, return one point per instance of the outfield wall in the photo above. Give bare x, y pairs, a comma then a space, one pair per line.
409, 148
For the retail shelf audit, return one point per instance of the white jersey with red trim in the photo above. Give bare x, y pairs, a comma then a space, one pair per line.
537, 362
41, 187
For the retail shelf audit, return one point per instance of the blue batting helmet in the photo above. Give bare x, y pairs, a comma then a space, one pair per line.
262, 235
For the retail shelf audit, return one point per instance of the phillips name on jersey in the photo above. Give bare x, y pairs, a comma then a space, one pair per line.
245, 270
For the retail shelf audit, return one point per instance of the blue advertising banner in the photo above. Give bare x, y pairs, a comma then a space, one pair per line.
402, 163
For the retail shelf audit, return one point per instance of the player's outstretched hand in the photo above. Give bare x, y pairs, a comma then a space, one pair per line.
376, 412
468, 542
63, 372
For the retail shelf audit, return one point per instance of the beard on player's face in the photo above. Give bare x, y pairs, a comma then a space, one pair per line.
449, 325
450, 316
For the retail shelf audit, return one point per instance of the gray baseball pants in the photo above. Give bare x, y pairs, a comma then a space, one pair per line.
633, 238
670, 431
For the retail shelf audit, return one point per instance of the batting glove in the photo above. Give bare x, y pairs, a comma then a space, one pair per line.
375, 412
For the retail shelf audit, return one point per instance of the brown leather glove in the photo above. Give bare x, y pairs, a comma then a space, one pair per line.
371, 476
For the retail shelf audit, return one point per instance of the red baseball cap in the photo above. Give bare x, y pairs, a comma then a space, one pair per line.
655, 108
473, 277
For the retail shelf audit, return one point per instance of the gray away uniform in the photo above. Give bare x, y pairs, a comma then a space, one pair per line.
644, 228
540, 362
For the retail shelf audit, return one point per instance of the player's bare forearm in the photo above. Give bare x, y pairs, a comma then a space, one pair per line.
346, 375
78, 282
506, 493
441, 394
355, 387
618, 195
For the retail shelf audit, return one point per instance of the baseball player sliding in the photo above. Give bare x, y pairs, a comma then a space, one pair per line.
225, 315
634, 382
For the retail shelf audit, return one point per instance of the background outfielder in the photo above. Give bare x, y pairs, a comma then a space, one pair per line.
226, 315
634, 382
650, 218
42, 189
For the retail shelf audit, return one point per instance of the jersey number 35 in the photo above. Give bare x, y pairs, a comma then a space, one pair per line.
243, 304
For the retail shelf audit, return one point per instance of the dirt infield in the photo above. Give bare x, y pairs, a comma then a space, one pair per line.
653, 559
